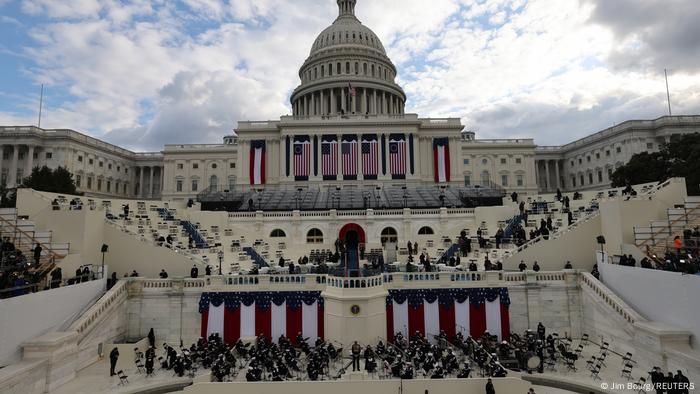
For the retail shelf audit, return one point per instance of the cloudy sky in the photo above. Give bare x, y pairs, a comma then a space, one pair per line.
145, 73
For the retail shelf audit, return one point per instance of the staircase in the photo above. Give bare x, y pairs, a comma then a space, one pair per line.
24, 235
514, 221
192, 231
657, 238
255, 256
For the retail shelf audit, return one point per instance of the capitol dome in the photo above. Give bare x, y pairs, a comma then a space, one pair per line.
347, 72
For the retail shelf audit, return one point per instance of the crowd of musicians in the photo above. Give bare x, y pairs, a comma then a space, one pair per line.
406, 358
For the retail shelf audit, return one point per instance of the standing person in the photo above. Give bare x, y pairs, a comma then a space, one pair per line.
152, 338
489, 387
113, 357
514, 197
163, 274
37, 253
356, 349
150, 357
409, 246
194, 272
78, 274
207, 271
415, 248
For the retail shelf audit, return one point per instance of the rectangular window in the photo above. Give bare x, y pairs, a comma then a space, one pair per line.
466, 162
467, 180
124, 189
109, 166
588, 159
194, 185
582, 180
607, 153
126, 170
580, 160
503, 160
118, 168
600, 176
504, 180
618, 150
78, 178
180, 166
519, 180
178, 185
518, 161
573, 181
109, 186
195, 165
572, 164
49, 155
89, 184
650, 145
231, 165
100, 164
99, 185
597, 155
90, 161
590, 179
80, 159
610, 172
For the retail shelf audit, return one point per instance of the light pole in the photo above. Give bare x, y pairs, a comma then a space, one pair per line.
104, 249
221, 259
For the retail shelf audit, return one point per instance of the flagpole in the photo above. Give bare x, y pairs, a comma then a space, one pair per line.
668, 94
41, 104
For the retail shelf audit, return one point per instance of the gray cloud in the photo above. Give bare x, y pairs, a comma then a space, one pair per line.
655, 34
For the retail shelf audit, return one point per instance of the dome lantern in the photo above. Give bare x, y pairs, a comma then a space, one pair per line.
346, 8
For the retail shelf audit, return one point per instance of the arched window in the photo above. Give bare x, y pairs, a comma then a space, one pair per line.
277, 233
485, 178
213, 182
389, 235
314, 236
425, 230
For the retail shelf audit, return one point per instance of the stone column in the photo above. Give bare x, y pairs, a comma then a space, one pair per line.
374, 101
556, 173
306, 105
12, 176
365, 108
332, 103
2, 157
386, 157
151, 170
343, 99
323, 104
548, 186
140, 194
384, 106
29, 164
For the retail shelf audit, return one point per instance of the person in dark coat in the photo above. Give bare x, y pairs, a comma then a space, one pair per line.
78, 274
536, 267
207, 271
113, 357
150, 358
541, 331
151, 338
37, 254
489, 387
194, 272
522, 266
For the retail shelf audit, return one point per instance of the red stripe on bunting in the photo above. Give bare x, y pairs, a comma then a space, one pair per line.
205, 320
505, 322
293, 323
319, 322
263, 321
477, 320
232, 325
436, 164
447, 163
447, 320
390, 323
416, 320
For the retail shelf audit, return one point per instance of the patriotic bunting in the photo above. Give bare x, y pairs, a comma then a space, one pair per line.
397, 156
370, 156
302, 157
349, 157
329, 157
441, 159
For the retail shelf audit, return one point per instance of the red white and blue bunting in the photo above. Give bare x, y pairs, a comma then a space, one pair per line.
235, 315
429, 311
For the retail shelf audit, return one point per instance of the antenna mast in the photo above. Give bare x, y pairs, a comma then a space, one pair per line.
41, 104
668, 94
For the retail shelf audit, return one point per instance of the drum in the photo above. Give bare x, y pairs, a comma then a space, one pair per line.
533, 362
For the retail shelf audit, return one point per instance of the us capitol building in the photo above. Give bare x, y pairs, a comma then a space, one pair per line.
348, 129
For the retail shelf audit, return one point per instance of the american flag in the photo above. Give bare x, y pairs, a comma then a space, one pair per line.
370, 162
349, 155
302, 154
397, 157
329, 159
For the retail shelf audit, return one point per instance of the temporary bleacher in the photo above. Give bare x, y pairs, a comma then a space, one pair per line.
656, 238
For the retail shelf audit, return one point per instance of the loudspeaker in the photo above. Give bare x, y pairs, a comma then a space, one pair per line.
104, 248
600, 239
